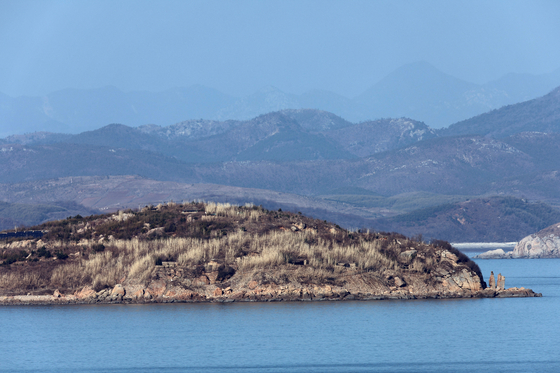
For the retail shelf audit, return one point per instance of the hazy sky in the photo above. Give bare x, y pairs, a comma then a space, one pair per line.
241, 46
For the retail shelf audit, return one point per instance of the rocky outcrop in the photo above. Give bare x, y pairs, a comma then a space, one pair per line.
492, 281
543, 244
494, 254
501, 282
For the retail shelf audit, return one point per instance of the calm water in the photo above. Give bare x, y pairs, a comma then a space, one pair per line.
481, 335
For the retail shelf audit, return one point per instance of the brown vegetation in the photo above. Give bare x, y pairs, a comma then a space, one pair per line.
266, 246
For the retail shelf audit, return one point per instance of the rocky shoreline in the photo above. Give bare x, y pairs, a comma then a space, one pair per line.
161, 292
36, 300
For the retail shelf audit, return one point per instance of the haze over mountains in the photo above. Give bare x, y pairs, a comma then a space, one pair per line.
416, 90
358, 173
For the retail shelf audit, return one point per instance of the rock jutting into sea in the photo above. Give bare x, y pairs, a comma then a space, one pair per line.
494, 254
543, 244
222, 253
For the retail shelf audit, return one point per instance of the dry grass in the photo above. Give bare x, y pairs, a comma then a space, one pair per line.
249, 211
14, 281
135, 259
276, 250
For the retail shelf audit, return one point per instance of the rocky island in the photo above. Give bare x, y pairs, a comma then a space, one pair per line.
543, 244
197, 252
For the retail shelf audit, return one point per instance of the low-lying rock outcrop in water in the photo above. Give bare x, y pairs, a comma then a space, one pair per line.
221, 253
543, 244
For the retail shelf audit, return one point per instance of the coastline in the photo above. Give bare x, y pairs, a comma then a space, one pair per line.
88, 296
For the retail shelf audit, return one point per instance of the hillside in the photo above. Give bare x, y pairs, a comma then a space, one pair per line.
112, 193
36, 162
371, 137
213, 252
493, 219
21, 215
544, 147
463, 166
540, 114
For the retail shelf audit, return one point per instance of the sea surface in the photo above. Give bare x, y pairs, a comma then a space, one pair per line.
467, 335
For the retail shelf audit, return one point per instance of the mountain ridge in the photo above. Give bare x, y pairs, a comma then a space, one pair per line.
450, 100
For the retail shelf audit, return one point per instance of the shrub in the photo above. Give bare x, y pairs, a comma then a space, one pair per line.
225, 272
42, 252
170, 227
60, 255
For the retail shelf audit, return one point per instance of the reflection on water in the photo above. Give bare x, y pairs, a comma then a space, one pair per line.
497, 335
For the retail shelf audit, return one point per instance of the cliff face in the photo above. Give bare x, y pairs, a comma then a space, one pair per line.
196, 252
543, 244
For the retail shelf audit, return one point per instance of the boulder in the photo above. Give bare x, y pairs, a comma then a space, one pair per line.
449, 256
218, 292
212, 277
118, 290
102, 294
201, 281
179, 294
138, 294
466, 280
301, 226
252, 285
86, 292
399, 282
408, 255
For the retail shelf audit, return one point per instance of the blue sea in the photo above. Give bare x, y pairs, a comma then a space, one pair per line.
467, 335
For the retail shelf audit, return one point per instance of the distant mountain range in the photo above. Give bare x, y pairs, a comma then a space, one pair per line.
310, 152
417, 90
363, 172
288, 135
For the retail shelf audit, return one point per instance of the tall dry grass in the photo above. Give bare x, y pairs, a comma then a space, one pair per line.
16, 281
135, 259
233, 211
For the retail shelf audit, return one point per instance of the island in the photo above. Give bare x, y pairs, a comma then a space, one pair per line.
212, 252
